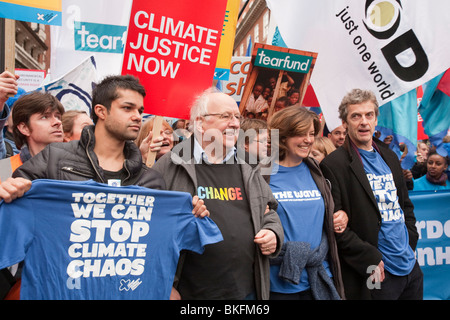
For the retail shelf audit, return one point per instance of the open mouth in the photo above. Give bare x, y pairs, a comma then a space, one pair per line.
364, 132
230, 132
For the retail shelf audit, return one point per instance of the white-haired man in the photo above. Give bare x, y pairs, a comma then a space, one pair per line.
236, 196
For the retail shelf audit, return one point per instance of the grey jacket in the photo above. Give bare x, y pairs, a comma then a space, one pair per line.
178, 170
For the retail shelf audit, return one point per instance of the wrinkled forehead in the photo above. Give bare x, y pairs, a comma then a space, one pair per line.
221, 103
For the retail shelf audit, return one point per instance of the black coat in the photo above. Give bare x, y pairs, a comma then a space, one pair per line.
77, 161
352, 193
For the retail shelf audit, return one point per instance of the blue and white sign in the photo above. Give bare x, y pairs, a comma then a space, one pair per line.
97, 37
433, 249
89, 28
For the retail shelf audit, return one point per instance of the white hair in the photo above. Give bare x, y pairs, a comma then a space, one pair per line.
200, 106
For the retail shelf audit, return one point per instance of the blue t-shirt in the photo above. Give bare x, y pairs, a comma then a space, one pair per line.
422, 184
301, 210
393, 240
87, 240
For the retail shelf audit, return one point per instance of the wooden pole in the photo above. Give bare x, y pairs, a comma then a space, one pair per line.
10, 45
157, 125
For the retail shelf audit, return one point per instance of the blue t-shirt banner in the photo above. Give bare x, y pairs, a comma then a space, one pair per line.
87, 240
433, 249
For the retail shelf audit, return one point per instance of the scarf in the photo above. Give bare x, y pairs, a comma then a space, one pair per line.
440, 181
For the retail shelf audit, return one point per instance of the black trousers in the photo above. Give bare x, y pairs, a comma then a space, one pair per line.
303, 295
409, 287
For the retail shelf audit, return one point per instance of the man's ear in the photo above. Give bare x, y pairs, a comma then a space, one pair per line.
101, 111
24, 129
199, 124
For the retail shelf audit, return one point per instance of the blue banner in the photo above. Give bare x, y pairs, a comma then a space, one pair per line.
433, 249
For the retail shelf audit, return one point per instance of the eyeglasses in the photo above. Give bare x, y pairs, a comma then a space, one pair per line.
225, 116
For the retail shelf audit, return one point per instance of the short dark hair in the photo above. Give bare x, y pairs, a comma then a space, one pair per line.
357, 96
29, 104
105, 92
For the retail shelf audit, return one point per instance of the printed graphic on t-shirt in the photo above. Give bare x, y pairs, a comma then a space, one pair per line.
385, 193
299, 195
398, 257
224, 194
116, 235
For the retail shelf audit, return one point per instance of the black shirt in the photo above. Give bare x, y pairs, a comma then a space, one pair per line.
225, 269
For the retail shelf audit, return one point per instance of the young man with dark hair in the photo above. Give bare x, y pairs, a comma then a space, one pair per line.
105, 152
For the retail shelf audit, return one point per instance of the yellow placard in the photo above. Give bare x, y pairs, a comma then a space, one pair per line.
228, 35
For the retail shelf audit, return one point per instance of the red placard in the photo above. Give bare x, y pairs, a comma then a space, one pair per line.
172, 48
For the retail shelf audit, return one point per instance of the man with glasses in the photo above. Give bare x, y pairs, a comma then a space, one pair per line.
239, 201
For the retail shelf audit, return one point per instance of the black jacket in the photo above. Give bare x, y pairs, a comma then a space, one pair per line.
77, 161
358, 244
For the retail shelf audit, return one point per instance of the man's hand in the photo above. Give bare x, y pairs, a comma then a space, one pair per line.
8, 86
378, 274
174, 294
14, 188
200, 209
267, 241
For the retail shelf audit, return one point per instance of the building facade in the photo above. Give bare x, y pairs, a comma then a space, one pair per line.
252, 26
32, 46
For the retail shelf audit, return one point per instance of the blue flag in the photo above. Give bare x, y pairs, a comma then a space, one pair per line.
435, 111
399, 119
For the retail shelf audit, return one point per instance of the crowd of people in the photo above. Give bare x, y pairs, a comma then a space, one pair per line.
319, 225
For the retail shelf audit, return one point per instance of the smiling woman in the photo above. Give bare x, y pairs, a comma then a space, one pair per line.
305, 209
297, 128
164, 143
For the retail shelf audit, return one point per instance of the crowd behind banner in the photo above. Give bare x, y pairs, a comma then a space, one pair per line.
429, 173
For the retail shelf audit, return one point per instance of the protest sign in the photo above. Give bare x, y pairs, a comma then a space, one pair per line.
38, 11
172, 48
89, 28
222, 71
383, 46
280, 72
235, 84
30, 79
74, 89
433, 248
